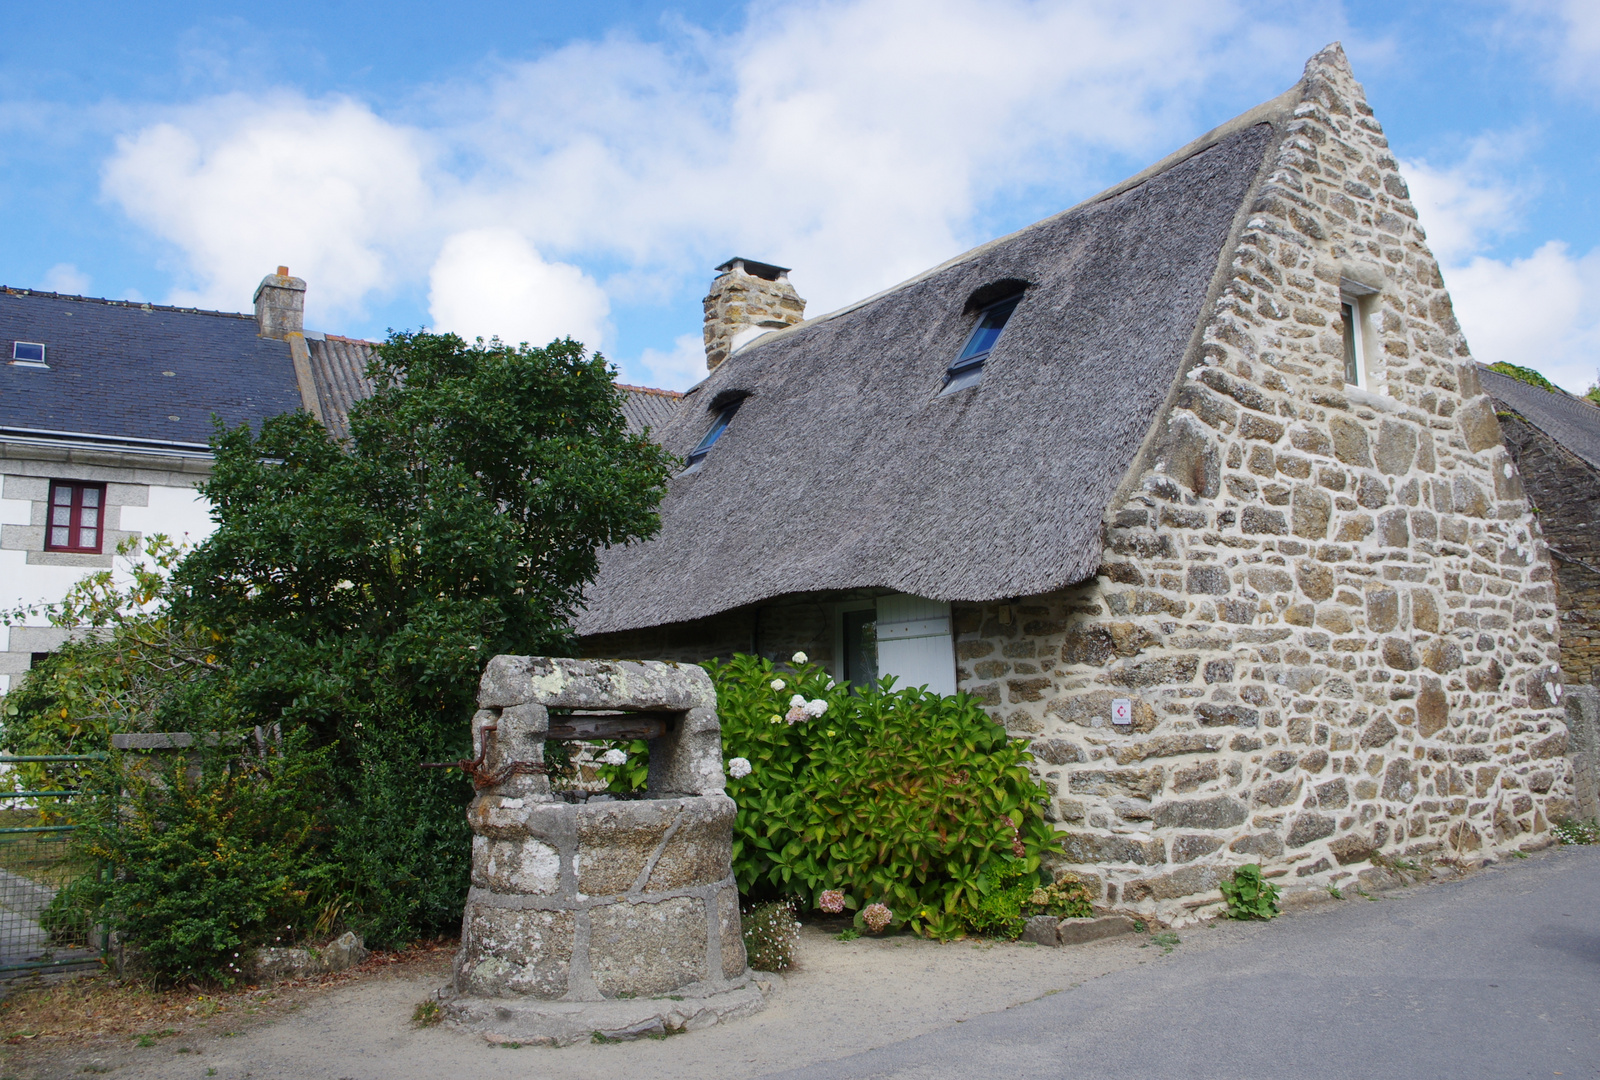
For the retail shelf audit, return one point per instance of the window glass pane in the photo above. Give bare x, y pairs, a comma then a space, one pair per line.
61, 515
1352, 370
861, 647
63, 495
91, 496
988, 330
86, 538
58, 538
90, 518
717, 428
29, 351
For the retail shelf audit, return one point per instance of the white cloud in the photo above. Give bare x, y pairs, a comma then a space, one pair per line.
1540, 311
65, 278
1565, 34
679, 369
492, 283
242, 186
859, 141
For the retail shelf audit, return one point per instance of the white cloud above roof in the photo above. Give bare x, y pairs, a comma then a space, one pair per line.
859, 142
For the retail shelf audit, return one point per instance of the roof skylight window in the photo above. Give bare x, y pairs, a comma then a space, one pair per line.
718, 426
28, 354
968, 367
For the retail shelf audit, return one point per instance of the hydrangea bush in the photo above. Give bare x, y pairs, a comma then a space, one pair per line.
903, 798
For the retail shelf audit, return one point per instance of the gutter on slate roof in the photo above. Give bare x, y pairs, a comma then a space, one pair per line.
41, 436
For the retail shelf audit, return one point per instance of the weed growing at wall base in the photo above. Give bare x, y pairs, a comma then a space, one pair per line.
1248, 896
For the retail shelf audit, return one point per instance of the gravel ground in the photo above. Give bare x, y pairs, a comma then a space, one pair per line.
874, 1007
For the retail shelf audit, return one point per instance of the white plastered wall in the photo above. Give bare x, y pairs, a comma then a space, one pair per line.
143, 496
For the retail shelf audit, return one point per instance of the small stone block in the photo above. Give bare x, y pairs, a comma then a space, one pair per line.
1041, 930
1078, 931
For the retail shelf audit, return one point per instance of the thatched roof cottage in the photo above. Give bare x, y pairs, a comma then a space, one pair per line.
1195, 485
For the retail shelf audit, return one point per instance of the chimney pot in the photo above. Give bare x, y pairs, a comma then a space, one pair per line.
747, 295
280, 305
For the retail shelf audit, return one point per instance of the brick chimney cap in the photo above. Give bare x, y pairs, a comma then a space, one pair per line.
756, 269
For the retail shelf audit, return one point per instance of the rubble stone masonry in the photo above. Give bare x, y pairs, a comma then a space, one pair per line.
1331, 609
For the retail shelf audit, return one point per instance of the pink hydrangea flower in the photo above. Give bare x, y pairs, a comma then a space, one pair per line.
831, 901
797, 714
876, 916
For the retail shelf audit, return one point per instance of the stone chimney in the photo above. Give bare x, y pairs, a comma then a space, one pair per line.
747, 299
280, 305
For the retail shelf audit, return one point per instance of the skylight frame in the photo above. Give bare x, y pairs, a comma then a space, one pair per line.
19, 359
719, 427
967, 367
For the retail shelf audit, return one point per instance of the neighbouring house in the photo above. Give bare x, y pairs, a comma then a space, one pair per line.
1195, 485
1554, 438
106, 411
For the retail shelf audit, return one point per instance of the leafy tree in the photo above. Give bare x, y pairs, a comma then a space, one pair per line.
358, 589
346, 603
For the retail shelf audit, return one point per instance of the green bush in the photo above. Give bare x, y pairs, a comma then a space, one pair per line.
771, 935
900, 797
209, 853
1573, 831
1248, 895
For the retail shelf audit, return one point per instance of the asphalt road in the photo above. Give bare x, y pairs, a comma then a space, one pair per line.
1496, 975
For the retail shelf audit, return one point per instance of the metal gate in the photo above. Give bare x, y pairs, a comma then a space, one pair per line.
36, 862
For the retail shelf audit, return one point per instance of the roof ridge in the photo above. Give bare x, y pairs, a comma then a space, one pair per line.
14, 290
650, 390
349, 340
1266, 112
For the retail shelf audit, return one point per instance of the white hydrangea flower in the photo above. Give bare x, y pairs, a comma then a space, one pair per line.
830, 684
614, 757
817, 707
797, 702
778, 684
799, 658
738, 768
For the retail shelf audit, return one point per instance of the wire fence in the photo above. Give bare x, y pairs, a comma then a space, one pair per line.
38, 933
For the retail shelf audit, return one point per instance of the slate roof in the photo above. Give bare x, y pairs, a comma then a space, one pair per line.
338, 370
845, 468
1569, 420
133, 371
646, 407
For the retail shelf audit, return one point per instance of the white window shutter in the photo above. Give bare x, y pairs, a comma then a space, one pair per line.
914, 643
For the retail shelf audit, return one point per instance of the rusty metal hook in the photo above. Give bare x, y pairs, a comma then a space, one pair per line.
483, 778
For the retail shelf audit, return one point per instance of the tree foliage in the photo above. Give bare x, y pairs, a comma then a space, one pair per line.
352, 592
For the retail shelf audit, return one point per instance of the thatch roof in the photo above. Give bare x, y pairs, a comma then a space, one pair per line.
1570, 421
844, 467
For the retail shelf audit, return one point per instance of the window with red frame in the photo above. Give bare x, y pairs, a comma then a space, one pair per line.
76, 520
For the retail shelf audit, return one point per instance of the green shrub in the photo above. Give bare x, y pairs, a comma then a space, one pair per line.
1248, 896
1524, 374
1573, 831
771, 935
900, 797
209, 854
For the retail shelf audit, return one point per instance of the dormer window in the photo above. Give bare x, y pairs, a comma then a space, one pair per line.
968, 367
718, 426
28, 354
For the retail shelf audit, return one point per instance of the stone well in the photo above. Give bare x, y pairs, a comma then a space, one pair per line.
611, 916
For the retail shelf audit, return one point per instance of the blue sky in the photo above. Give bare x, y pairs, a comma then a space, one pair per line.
535, 169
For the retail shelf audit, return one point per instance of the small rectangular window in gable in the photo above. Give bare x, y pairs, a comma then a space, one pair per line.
28, 354
1354, 301
76, 520
968, 367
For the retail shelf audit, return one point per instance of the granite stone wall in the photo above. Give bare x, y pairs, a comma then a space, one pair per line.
1565, 490
1331, 610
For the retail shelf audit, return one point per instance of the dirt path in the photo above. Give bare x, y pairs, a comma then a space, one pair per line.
842, 998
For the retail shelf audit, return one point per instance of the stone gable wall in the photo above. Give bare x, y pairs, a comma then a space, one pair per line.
1565, 489
1332, 610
